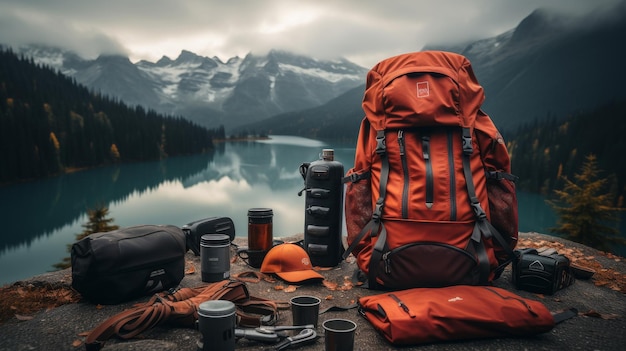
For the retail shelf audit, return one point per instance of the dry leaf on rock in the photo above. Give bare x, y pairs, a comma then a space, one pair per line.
23, 318
290, 288
595, 314
190, 269
330, 285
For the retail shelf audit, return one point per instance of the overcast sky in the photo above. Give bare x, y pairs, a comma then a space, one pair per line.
363, 31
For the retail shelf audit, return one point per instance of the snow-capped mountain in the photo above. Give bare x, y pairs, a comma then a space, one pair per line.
207, 90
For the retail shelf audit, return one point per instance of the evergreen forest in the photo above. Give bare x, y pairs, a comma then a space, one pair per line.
49, 125
544, 152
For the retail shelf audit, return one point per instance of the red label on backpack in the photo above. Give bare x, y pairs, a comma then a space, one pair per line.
422, 89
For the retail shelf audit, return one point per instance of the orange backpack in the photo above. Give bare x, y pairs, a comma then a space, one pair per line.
431, 179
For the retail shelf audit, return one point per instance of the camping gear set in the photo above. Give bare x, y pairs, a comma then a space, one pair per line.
431, 182
431, 208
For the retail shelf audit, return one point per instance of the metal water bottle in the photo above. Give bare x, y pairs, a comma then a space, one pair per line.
323, 209
215, 257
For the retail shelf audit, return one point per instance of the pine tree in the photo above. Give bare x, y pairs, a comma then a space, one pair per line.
586, 215
98, 223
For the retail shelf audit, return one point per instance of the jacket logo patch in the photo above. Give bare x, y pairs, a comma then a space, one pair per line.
422, 89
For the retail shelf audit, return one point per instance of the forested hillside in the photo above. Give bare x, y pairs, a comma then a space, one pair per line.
49, 124
543, 151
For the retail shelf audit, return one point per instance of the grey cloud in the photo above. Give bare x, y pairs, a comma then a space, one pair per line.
362, 30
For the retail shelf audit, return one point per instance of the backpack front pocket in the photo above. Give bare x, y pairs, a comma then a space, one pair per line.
427, 264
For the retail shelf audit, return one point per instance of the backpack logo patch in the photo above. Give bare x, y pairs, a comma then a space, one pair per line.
422, 89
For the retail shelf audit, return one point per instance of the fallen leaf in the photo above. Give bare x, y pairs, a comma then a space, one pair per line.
329, 297
77, 343
279, 287
290, 288
268, 278
191, 269
347, 284
595, 314
318, 268
329, 285
23, 318
249, 276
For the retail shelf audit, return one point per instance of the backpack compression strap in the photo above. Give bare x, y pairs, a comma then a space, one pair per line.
482, 228
375, 225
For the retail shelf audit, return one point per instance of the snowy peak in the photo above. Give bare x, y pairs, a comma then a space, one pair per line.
207, 90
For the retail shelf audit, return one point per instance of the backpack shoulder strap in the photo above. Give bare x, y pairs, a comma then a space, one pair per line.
482, 228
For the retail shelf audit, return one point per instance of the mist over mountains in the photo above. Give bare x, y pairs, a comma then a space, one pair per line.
550, 65
206, 90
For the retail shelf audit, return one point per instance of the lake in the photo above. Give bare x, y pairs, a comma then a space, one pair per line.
42, 218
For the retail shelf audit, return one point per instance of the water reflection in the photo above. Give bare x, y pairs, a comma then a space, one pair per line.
42, 217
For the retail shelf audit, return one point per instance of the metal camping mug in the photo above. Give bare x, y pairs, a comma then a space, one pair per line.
260, 235
216, 322
215, 257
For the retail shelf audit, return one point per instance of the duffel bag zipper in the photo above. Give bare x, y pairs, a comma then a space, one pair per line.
402, 305
530, 309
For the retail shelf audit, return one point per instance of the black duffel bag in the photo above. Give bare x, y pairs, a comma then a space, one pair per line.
121, 265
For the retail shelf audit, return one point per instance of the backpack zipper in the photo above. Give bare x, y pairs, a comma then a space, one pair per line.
405, 169
530, 309
387, 260
452, 177
429, 170
402, 305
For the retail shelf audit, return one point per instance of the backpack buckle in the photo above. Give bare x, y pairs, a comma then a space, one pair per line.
381, 146
478, 210
468, 149
378, 211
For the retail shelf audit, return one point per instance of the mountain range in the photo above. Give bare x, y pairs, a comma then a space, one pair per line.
206, 90
550, 65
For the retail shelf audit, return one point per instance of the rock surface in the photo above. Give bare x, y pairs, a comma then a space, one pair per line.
600, 325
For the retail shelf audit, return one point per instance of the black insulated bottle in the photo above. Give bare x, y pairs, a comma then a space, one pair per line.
323, 209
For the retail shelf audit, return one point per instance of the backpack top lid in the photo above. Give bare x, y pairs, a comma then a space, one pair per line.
425, 88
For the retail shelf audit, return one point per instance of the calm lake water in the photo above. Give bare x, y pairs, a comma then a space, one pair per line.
41, 218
